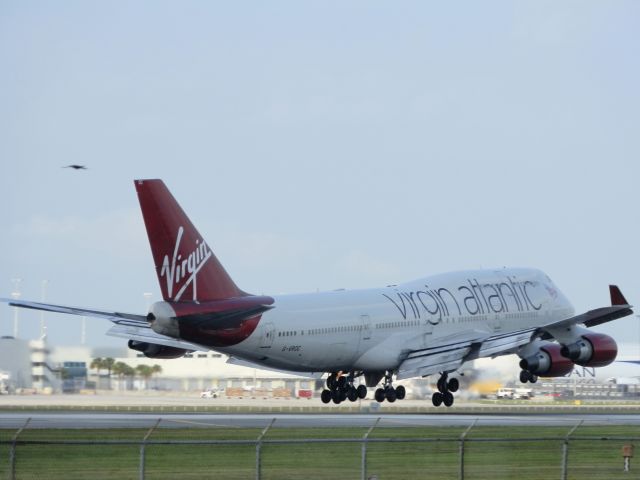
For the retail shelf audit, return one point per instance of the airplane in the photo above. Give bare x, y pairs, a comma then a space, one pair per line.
423, 327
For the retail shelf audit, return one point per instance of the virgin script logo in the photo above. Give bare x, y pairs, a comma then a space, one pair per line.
182, 270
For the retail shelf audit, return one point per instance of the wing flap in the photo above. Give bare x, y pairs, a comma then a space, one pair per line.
504, 344
417, 368
245, 363
448, 356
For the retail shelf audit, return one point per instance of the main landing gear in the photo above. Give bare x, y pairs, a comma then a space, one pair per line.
387, 392
341, 388
446, 387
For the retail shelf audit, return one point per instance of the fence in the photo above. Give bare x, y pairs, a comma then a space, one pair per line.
461, 457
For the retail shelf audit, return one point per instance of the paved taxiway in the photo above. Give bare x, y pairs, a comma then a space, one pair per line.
115, 420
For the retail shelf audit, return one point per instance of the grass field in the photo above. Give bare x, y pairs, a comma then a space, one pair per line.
513, 457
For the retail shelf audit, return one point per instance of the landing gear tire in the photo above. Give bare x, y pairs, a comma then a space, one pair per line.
437, 399
379, 395
400, 392
331, 381
336, 396
362, 392
453, 385
442, 384
447, 399
390, 395
533, 378
525, 376
325, 396
352, 394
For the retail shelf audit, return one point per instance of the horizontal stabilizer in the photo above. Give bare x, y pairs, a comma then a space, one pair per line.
221, 320
115, 317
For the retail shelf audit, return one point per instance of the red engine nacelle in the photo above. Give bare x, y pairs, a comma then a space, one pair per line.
547, 362
591, 350
153, 350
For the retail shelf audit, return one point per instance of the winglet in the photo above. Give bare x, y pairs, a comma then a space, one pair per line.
616, 296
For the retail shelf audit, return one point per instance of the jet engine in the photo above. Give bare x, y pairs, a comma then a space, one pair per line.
547, 361
153, 350
591, 350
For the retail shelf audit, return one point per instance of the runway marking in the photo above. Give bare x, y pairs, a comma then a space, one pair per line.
202, 424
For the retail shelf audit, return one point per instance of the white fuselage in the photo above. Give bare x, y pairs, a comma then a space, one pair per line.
374, 329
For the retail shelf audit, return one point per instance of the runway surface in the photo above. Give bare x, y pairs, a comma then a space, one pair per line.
116, 420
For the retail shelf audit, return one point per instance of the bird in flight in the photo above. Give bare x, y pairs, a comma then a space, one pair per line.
76, 167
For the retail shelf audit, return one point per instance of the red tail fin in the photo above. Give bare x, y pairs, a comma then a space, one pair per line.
187, 269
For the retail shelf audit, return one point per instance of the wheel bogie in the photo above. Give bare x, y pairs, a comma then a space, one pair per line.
446, 386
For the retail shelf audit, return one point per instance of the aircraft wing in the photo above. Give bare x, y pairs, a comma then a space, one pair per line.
146, 334
451, 352
619, 308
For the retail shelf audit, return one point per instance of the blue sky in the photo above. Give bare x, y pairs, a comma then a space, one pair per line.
319, 145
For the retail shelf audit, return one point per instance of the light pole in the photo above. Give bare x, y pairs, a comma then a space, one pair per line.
147, 296
15, 295
43, 326
83, 330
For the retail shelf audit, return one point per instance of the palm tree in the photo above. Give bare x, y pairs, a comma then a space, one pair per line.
145, 371
122, 370
97, 364
156, 370
108, 365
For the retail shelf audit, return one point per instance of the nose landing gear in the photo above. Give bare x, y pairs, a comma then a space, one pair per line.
340, 388
446, 387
